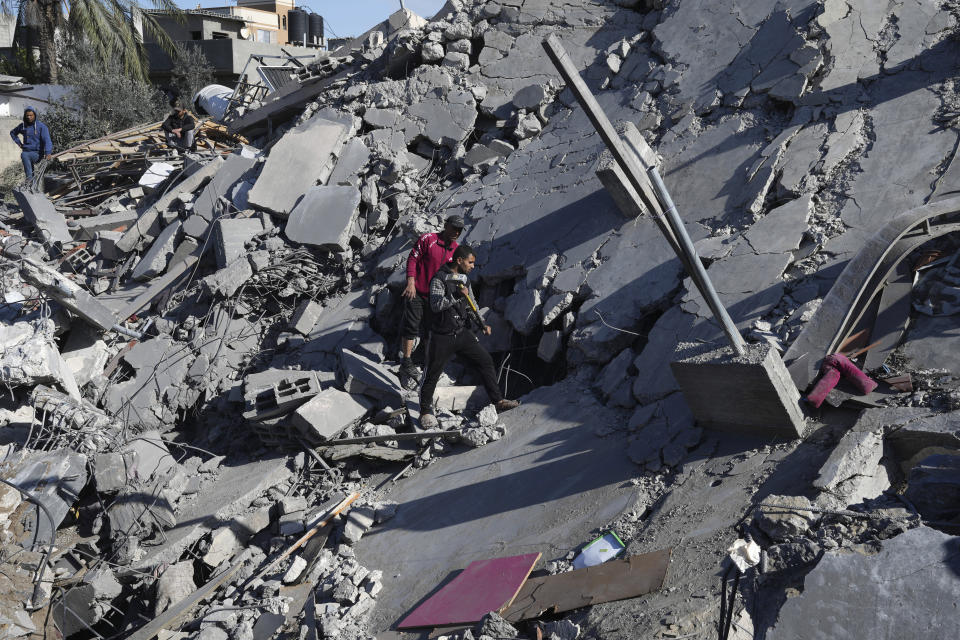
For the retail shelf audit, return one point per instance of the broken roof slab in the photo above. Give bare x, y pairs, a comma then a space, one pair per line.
539, 488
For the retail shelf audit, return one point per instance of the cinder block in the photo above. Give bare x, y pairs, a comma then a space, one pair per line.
752, 393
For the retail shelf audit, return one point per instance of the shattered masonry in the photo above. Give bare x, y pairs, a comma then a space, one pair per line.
181, 352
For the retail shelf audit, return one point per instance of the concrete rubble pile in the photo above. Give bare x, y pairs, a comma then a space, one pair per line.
201, 367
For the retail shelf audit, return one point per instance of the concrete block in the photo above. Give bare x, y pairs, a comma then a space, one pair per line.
523, 310
325, 217
752, 393
41, 214
305, 316
281, 393
300, 159
328, 414
226, 281
85, 360
154, 261
359, 520
230, 235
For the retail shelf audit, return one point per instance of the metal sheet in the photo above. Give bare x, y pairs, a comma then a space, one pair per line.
615, 580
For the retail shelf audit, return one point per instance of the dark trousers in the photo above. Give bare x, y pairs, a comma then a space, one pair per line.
439, 351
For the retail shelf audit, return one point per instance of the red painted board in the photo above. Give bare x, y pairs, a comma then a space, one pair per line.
484, 586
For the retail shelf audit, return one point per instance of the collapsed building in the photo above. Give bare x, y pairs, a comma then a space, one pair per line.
204, 435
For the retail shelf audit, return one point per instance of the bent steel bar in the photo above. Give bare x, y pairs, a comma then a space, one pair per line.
865, 273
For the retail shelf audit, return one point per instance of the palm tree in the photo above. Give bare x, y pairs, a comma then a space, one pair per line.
112, 27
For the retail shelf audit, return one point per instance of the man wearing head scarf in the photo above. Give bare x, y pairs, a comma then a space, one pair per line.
36, 143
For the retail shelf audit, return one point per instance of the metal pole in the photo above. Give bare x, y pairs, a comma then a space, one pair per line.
609, 135
700, 274
670, 225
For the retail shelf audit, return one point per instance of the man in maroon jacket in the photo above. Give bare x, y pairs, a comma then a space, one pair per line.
432, 251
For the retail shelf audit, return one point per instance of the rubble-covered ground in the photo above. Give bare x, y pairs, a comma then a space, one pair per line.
177, 359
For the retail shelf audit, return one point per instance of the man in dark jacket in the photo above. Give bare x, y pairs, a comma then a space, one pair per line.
178, 127
452, 333
432, 251
36, 142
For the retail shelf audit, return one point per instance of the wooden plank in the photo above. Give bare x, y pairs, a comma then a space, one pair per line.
614, 580
484, 586
893, 315
309, 534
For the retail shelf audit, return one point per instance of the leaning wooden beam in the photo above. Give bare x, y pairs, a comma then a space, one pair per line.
302, 540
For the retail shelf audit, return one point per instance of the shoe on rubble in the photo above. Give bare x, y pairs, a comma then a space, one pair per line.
428, 421
506, 405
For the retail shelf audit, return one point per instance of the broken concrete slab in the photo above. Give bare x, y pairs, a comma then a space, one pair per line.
325, 218
154, 261
147, 221
230, 235
39, 212
88, 227
230, 172
853, 472
362, 375
55, 479
227, 496
353, 158
328, 414
312, 148
899, 592
583, 498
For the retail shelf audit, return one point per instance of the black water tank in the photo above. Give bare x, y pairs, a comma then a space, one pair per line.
316, 29
297, 25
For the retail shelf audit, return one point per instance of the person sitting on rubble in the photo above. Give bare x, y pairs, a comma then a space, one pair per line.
455, 319
36, 142
432, 251
178, 128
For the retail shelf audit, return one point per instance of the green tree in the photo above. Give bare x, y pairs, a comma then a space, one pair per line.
109, 26
106, 99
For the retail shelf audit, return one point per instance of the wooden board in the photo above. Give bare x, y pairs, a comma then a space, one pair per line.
484, 586
614, 580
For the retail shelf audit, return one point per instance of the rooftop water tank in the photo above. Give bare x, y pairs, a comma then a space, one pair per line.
316, 29
297, 26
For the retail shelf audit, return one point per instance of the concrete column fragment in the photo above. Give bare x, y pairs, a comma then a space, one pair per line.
752, 393
41, 214
67, 292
